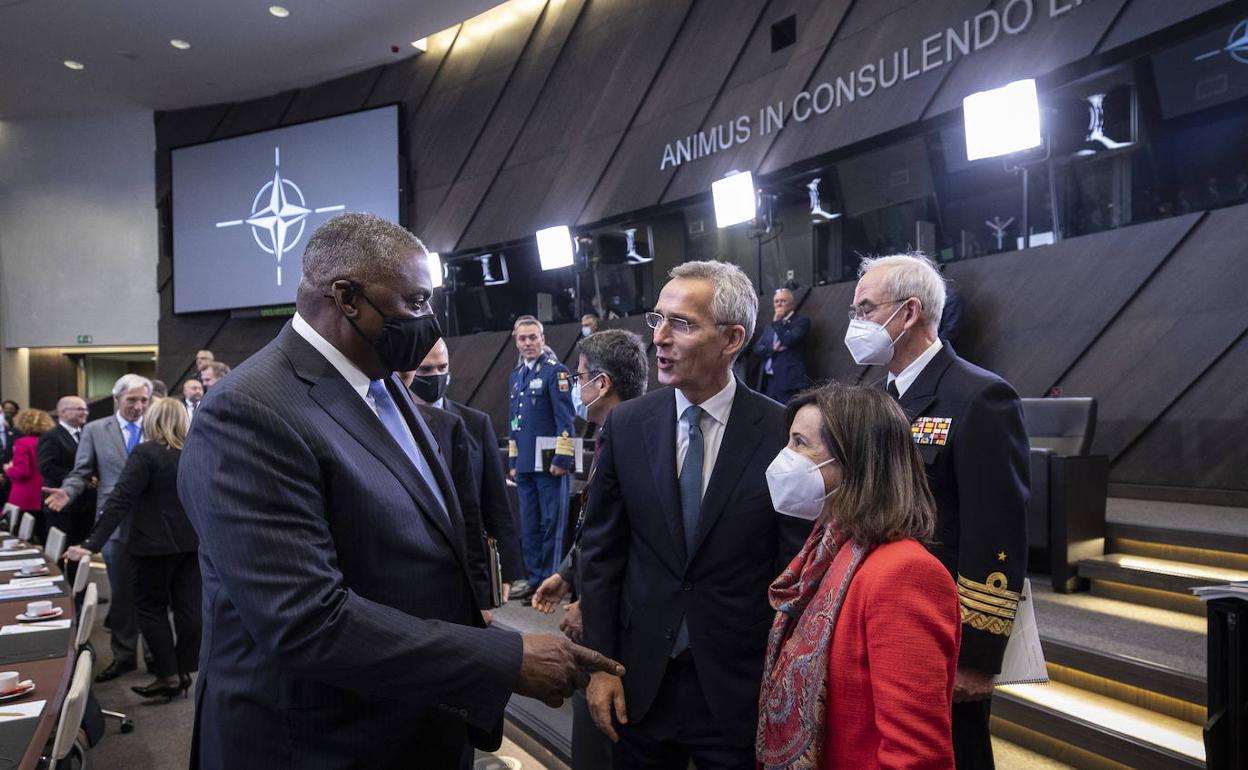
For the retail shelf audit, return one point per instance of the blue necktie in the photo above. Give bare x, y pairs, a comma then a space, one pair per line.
132, 436
690, 501
393, 420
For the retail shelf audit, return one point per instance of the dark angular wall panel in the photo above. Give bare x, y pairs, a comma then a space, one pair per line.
1144, 17
472, 356
1183, 320
335, 97
1031, 314
1047, 44
1199, 441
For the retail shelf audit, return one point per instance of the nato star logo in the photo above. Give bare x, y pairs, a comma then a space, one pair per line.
277, 214
1236, 45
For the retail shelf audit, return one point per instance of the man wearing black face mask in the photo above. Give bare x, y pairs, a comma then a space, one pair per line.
428, 386
341, 629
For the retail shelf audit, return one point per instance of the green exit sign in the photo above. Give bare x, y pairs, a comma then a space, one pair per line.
84, 339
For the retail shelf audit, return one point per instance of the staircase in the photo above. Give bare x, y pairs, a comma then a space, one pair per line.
1127, 659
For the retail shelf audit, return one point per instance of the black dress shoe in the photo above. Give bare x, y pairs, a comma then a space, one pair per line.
115, 669
158, 689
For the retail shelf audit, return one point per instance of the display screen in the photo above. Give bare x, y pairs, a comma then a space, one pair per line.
244, 208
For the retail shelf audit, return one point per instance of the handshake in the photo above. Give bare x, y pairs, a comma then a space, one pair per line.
554, 667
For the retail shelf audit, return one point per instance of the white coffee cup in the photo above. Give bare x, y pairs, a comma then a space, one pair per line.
10, 543
35, 609
9, 680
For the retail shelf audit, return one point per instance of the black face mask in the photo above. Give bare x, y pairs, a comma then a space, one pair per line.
404, 341
431, 387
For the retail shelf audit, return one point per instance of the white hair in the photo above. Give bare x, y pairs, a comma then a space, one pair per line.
911, 275
130, 382
734, 301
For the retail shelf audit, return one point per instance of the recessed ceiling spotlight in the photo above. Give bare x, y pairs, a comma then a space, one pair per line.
181, 45
74, 65
278, 11
421, 45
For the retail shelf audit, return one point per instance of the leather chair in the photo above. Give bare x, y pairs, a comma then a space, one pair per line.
1069, 486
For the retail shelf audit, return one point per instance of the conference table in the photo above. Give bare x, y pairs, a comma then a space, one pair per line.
45, 657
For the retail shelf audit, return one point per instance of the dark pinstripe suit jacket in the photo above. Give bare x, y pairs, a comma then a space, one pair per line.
340, 628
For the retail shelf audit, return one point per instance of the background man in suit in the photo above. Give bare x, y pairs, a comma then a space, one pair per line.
782, 348
341, 630
541, 406
212, 373
102, 451
192, 392
681, 542
56, 451
428, 386
968, 424
202, 359
7, 436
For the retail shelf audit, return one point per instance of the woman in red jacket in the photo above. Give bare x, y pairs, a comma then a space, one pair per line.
26, 491
862, 653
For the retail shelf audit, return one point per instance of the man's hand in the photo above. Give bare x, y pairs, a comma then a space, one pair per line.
7, 466
505, 592
553, 668
779, 315
970, 685
512, 473
76, 552
606, 692
548, 595
556, 471
571, 624
56, 500
487, 616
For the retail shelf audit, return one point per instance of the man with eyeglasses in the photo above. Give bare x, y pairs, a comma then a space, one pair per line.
968, 424
56, 451
681, 541
540, 408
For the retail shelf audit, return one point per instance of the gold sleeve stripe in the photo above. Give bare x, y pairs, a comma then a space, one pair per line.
512, 449
997, 585
993, 601
987, 609
981, 622
564, 446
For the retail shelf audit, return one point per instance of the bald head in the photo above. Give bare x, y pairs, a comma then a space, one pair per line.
72, 411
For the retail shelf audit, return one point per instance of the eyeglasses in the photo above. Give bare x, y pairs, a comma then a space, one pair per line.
677, 325
864, 309
582, 378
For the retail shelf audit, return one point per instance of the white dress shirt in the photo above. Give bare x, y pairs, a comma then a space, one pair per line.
122, 422
714, 419
912, 372
354, 376
76, 433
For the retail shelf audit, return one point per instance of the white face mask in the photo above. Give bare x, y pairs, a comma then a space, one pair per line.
796, 485
582, 408
869, 342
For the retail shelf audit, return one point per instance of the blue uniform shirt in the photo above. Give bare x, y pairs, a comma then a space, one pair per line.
541, 405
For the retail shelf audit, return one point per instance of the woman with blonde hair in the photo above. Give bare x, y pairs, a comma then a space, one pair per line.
163, 545
26, 491
862, 653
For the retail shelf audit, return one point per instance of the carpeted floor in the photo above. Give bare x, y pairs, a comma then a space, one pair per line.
1196, 518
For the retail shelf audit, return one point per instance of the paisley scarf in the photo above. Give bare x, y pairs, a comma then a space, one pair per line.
807, 597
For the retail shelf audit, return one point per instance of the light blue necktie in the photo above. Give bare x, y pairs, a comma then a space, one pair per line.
132, 436
690, 501
393, 420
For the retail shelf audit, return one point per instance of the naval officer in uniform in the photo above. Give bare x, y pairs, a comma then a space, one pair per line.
541, 406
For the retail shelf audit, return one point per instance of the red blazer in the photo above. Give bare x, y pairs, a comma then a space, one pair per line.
891, 663
27, 490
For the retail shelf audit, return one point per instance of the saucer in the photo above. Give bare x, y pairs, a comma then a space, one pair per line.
55, 613
36, 572
23, 688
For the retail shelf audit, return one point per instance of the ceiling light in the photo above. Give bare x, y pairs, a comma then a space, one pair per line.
74, 65
735, 198
181, 45
278, 11
554, 247
421, 45
1002, 121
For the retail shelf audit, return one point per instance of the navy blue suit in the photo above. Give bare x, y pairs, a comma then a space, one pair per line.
788, 366
541, 406
340, 627
639, 582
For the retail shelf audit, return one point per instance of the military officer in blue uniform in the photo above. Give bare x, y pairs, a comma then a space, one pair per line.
541, 405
